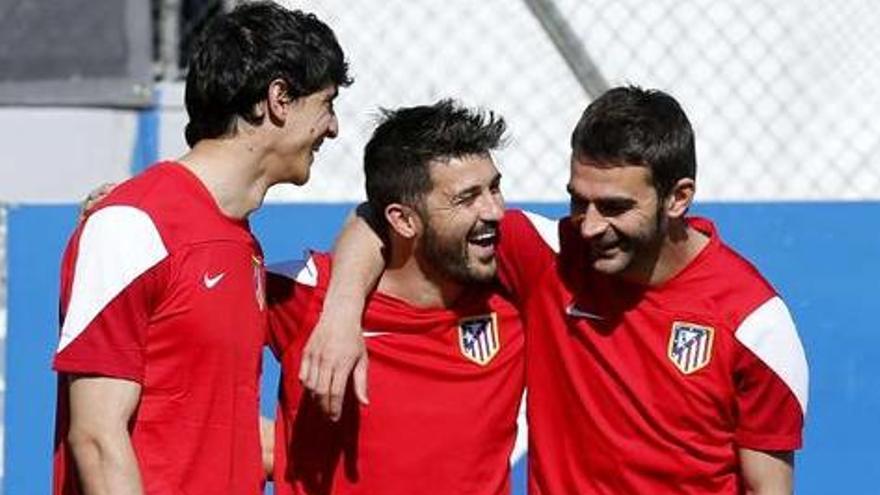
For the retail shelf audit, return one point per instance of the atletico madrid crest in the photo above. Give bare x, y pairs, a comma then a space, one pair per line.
690, 346
478, 338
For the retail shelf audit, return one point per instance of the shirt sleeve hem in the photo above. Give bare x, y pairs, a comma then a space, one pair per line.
110, 370
770, 443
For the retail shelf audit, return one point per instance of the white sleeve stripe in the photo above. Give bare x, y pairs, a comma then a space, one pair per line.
548, 229
117, 245
308, 275
769, 332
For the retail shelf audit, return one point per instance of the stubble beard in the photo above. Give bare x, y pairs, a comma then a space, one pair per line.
450, 259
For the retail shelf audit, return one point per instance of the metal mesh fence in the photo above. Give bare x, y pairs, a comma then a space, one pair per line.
491, 53
779, 91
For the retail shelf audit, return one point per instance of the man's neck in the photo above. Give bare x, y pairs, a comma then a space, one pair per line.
681, 245
418, 285
230, 169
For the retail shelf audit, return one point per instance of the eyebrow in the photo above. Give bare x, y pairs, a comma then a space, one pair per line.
604, 200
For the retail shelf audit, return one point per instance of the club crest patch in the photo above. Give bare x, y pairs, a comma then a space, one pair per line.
478, 338
259, 281
690, 346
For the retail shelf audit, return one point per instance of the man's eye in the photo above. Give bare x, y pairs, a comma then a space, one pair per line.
578, 206
465, 200
613, 209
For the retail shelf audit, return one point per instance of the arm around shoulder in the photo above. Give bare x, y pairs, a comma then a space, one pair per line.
336, 348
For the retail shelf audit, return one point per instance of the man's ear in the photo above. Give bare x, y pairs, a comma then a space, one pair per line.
403, 220
278, 102
680, 198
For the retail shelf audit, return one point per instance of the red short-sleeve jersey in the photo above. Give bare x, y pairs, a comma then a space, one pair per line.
636, 389
159, 287
445, 387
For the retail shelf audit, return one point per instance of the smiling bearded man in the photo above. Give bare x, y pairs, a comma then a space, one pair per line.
445, 345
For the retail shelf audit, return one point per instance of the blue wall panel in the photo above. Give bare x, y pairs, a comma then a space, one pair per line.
823, 259
35, 239
820, 256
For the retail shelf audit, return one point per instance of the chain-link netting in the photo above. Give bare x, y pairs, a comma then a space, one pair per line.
779, 91
491, 53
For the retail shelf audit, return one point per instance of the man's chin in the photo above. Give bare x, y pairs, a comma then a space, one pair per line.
484, 273
609, 266
302, 178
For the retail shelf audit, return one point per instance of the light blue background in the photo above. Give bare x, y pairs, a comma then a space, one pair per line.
822, 257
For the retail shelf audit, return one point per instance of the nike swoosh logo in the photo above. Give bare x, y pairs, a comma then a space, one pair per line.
211, 282
573, 311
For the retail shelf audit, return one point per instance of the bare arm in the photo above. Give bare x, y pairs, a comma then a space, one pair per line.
767, 473
100, 408
336, 346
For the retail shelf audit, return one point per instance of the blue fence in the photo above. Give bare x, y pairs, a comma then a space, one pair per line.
821, 256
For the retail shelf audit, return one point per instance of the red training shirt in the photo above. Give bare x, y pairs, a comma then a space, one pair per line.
159, 287
637, 389
445, 386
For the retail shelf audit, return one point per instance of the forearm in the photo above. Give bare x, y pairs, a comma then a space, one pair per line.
106, 463
357, 266
336, 347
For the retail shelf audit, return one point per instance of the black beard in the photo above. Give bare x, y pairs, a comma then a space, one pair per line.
450, 259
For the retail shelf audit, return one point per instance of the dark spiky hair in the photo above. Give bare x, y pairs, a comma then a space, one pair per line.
408, 140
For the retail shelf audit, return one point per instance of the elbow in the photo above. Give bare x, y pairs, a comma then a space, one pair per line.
90, 446
84, 444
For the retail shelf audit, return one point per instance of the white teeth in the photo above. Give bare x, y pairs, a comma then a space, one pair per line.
484, 237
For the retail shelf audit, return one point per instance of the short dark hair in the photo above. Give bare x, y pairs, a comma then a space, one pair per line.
407, 140
639, 127
240, 53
